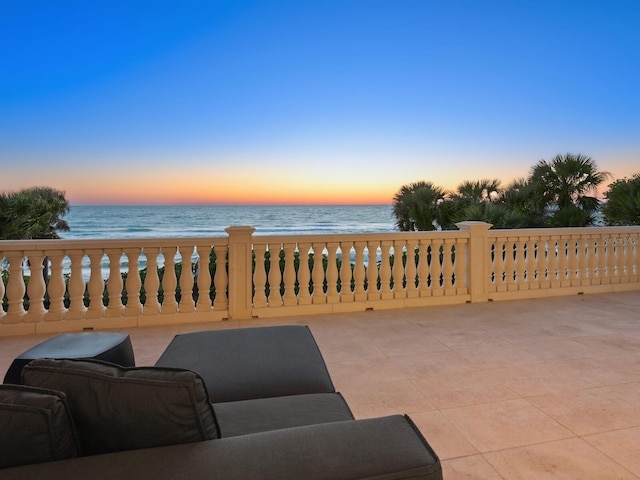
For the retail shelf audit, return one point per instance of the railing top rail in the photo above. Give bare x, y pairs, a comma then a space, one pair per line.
350, 237
95, 243
529, 232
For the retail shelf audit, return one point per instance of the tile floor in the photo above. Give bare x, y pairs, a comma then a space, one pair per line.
526, 389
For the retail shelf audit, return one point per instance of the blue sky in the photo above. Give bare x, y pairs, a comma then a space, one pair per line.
309, 102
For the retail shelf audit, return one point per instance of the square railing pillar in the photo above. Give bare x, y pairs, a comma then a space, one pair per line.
478, 259
240, 271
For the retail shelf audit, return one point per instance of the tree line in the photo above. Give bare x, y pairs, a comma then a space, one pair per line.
556, 193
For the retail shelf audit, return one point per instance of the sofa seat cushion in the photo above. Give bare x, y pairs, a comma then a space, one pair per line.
246, 363
388, 448
35, 426
265, 414
118, 408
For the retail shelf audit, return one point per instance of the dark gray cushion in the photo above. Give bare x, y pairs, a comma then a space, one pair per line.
388, 448
117, 408
246, 363
35, 426
264, 414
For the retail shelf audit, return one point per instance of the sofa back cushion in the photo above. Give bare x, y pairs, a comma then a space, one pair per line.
117, 408
35, 426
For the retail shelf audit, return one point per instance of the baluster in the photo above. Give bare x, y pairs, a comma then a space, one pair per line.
459, 266
437, 253
426, 284
96, 285
204, 278
603, 259
289, 276
373, 293
447, 266
521, 264
187, 305
625, 271
619, 258
114, 283
533, 262
36, 288
634, 257
510, 263
398, 269
583, 244
56, 288
317, 275
275, 276
260, 276
592, 258
332, 273
563, 261
133, 282
169, 281
573, 252
411, 271
346, 274
15, 289
76, 287
304, 274
551, 249
542, 263
385, 270
501, 269
151, 282
221, 281
360, 294
2, 312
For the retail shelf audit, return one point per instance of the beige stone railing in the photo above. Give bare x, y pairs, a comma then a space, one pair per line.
101, 284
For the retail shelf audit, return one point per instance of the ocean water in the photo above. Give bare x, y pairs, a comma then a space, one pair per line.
110, 222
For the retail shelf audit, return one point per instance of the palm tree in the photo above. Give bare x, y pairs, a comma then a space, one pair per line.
568, 181
33, 213
477, 191
623, 202
415, 206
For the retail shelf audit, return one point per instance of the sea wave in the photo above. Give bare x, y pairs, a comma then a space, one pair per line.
155, 221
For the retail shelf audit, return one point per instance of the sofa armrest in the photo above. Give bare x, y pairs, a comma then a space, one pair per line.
385, 448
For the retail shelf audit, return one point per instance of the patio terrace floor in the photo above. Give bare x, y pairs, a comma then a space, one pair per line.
524, 389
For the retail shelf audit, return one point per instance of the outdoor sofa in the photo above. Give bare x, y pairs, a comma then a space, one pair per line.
254, 403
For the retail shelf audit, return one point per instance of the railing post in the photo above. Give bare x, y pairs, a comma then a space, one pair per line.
240, 271
477, 259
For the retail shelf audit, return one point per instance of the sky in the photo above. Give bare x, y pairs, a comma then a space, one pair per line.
309, 102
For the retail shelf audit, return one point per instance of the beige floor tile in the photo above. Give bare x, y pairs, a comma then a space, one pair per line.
470, 468
622, 446
614, 343
568, 459
627, 392
411, 343
507, 424
445, 439
547, 378
462, 390
603, 370
558, 349
347, 375
497, 356
356, 349
387, 398
445, 363
589, 411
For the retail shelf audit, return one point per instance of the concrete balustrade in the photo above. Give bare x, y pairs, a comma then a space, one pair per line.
72, 285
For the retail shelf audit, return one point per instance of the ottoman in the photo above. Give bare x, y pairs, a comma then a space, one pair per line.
252, 363
107, 346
